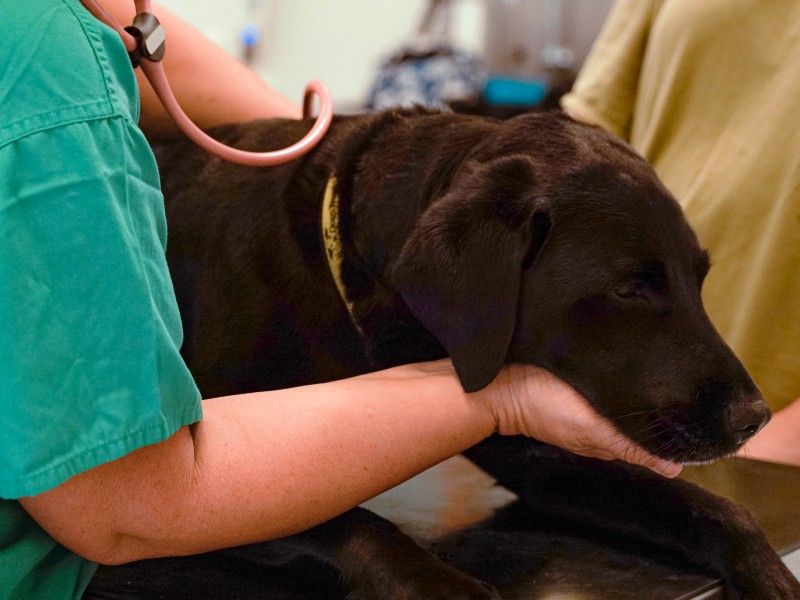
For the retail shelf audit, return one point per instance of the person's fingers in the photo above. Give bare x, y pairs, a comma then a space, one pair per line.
639, 456
611, 444
571, 423
667, 468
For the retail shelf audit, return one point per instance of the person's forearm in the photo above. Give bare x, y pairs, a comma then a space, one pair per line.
211, 86
265, 465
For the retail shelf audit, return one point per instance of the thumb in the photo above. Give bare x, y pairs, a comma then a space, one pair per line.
612, 444
635, 454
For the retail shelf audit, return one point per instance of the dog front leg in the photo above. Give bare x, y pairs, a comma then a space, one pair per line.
611, 497
375, 560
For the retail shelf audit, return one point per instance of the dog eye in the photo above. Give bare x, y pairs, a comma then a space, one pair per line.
646, 282
633, 289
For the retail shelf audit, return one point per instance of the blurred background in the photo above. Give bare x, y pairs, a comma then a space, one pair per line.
496, 57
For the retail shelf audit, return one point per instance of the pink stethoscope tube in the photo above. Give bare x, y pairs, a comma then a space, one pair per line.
154, 71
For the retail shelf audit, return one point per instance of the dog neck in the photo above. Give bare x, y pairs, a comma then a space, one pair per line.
367, 217
331, 238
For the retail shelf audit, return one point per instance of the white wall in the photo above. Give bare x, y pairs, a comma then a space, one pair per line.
338, 41
519, 31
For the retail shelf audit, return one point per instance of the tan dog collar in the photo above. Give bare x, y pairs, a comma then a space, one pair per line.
333, 243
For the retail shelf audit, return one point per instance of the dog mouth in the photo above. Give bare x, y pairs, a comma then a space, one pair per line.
681, 445
683, 440
714, 424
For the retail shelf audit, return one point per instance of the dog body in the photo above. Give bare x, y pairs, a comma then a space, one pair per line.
537, 240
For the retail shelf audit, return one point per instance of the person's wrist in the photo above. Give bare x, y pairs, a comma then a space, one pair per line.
443, 379
497, 400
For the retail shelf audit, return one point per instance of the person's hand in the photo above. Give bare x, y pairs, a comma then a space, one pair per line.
779, 441
527, 400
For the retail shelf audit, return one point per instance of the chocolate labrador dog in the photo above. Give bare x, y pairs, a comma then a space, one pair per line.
414, 235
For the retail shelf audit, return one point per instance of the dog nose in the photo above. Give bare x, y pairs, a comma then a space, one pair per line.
746, 418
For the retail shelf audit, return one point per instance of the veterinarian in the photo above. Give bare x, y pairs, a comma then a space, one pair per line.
707, 93
107, 453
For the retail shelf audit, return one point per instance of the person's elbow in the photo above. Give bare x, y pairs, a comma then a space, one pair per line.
81, 529
124, 510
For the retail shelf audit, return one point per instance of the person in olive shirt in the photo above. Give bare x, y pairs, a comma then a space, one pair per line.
707, 93
107, 453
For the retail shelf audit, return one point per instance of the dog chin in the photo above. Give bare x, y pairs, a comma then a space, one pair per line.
690, 463
698, 455
688, 447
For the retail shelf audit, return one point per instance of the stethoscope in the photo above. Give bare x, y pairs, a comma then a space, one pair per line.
144, 41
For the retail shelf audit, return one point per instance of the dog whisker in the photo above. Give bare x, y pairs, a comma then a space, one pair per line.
633, 414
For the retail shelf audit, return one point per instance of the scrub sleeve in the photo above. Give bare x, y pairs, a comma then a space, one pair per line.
89, 326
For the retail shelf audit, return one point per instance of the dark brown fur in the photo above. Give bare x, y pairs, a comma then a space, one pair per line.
535, 240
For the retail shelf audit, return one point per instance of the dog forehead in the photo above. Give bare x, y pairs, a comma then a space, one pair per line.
601, 193
619, 207
565, 151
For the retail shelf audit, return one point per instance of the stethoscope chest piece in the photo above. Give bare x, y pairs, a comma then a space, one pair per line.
150, 38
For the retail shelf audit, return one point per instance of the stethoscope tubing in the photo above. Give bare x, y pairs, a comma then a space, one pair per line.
154, 71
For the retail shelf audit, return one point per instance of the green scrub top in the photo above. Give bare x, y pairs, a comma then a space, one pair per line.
89, 327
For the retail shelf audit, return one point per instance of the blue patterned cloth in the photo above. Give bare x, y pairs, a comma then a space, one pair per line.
431, 79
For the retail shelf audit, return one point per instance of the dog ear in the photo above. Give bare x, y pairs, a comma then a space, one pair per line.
460, 270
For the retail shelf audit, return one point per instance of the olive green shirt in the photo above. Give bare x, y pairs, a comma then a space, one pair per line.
708, 93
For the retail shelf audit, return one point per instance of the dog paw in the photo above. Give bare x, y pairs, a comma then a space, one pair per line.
773, 584
379, 562
455, 587
431, 580
428, 591
755, 569
425, 592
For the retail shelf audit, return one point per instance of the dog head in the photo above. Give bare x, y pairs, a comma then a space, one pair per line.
556, 245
